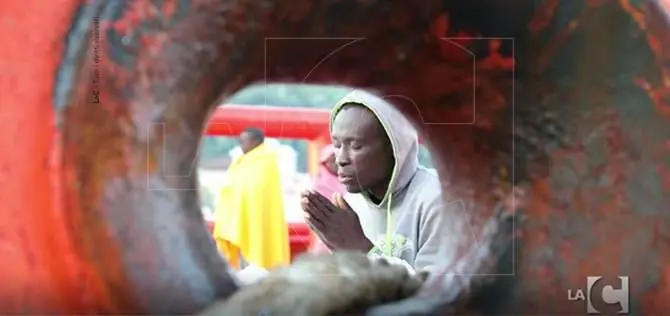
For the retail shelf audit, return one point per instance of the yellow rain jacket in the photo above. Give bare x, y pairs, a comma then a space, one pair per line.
249, 216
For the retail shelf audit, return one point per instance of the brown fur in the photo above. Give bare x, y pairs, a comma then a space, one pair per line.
344, 283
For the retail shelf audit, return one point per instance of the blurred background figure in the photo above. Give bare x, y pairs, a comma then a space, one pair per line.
288, 158
250, 225
326, 183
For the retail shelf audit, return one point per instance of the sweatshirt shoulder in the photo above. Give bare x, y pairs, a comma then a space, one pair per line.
426, 185
431, 203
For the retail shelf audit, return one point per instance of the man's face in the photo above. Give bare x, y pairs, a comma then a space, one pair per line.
363, 151
247, 142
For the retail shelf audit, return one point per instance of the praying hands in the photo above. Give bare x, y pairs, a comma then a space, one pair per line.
336, 224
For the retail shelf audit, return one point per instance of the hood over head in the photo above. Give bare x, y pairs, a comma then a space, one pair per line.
403, 136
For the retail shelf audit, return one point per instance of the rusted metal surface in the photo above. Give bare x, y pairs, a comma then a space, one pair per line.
34, 280
566, 102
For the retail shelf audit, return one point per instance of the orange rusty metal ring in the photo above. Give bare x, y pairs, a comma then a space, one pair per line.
99, 220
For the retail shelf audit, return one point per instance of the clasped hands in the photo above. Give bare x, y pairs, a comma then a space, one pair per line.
336, 224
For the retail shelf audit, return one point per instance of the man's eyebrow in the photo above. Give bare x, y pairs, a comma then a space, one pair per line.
345, 138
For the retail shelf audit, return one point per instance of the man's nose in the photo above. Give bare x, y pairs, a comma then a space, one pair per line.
342, 159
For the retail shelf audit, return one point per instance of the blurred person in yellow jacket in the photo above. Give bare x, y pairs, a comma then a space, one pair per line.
250, 225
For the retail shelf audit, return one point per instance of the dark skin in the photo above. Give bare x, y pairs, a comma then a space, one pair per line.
248, 142
364, 159
363, 152
336, 224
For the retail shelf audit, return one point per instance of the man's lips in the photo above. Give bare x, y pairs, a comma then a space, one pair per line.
344, 178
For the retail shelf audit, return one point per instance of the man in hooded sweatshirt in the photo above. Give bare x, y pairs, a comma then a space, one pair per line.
393, 206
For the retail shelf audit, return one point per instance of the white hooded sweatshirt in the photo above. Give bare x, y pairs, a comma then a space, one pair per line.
411, 221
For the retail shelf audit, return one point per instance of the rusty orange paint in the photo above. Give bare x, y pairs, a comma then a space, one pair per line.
41, 267
46, 273
543, 16
87, 234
